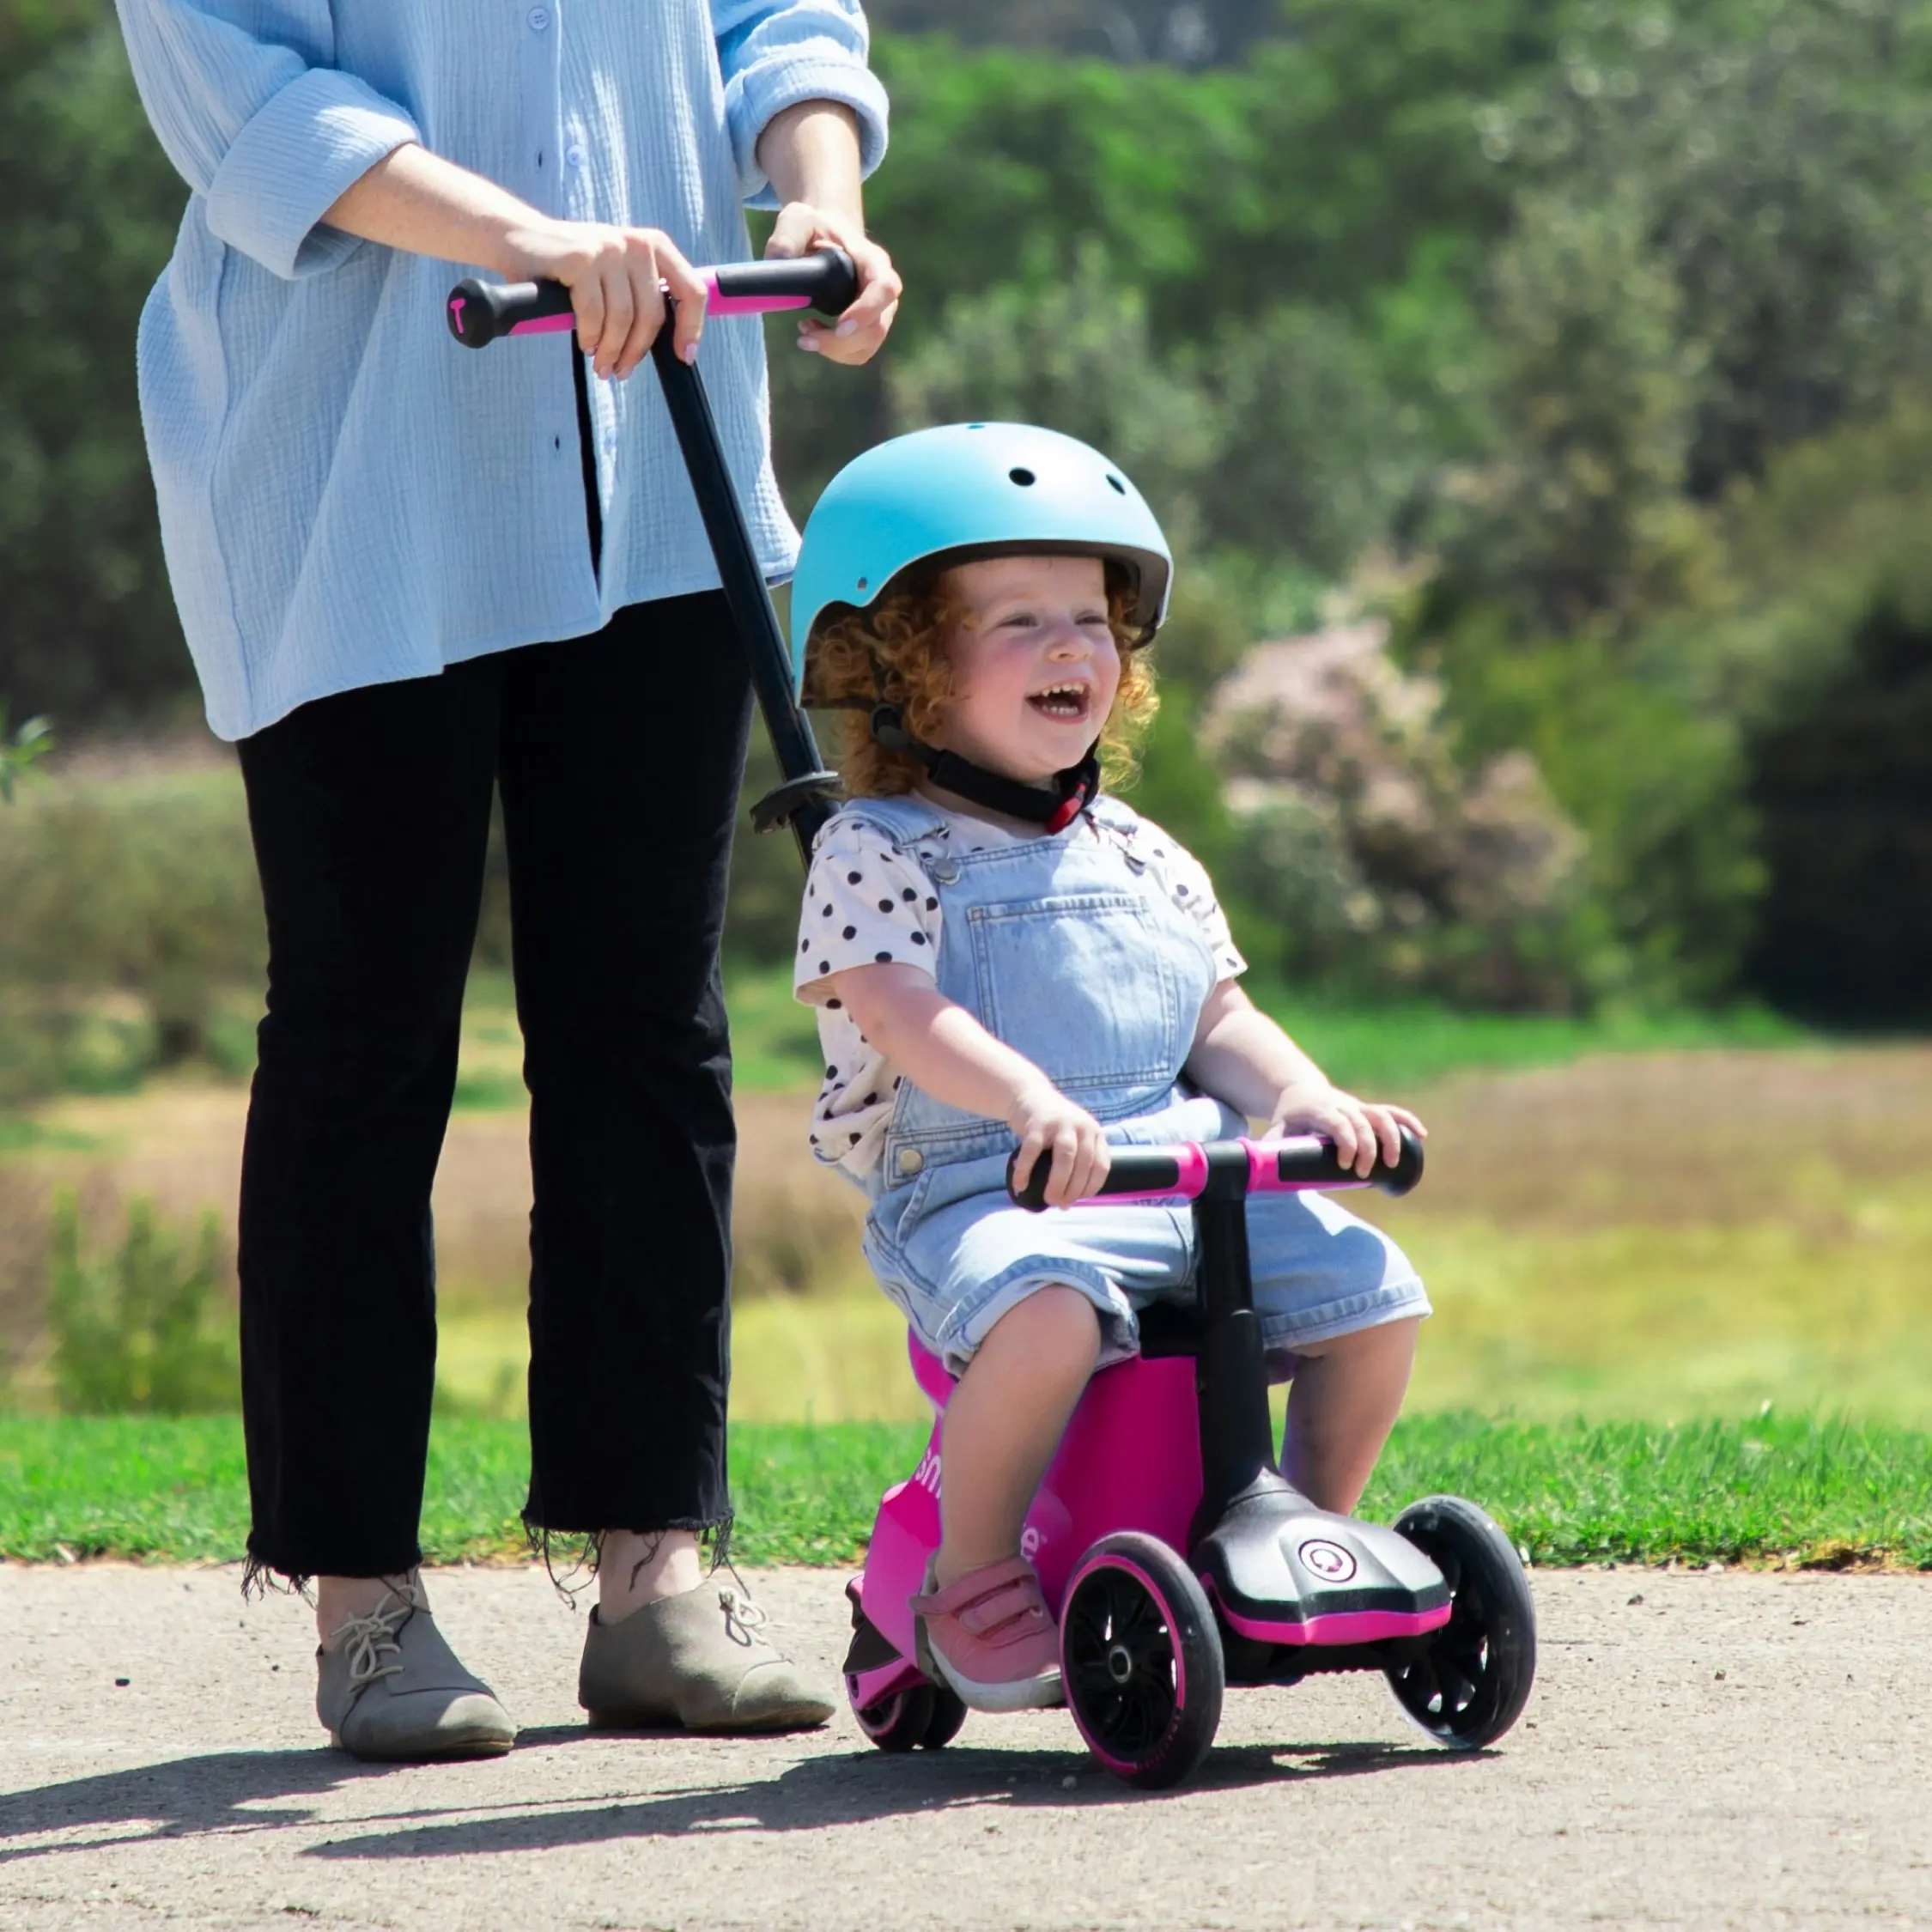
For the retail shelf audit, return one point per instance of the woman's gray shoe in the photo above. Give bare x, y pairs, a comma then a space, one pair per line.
696, 1660
393, 1689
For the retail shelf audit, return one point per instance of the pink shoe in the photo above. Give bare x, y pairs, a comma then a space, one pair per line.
991, 1637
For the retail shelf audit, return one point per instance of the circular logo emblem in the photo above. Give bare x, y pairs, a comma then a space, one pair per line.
1328, 1561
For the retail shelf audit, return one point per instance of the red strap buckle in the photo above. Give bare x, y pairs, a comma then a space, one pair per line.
1070, 808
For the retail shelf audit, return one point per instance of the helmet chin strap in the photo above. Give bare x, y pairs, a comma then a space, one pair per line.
1073, 790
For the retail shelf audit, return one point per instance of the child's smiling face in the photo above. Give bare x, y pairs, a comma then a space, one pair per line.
1035, 666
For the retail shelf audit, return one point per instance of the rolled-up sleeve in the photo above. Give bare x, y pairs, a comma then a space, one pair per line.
776, 54
267, 132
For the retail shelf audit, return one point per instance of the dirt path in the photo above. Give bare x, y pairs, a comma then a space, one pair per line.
1729, 1751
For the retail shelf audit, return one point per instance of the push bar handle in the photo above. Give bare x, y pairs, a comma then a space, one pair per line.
479, 311
1191, 1169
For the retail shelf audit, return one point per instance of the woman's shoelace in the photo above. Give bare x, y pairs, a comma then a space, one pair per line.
364, 1638
741, 1611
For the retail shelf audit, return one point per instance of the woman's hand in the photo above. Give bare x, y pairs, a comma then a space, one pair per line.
616, 278
1360, 1129
1047, 1122
802, 230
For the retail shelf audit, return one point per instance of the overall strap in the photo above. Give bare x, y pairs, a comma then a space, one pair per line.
904, 818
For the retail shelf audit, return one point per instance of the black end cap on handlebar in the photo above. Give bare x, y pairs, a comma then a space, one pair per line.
1033, 1196
1406, 1174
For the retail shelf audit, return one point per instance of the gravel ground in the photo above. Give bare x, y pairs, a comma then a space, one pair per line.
1702, 1751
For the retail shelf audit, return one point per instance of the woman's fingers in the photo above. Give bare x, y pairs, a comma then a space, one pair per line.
689, 294
620, 315
646, 299
586, 303
859, 332
793, 233
856, 336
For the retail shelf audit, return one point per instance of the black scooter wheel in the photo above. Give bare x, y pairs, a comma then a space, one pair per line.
1140, 1659
1471, 1683
949, 1713
901, 1721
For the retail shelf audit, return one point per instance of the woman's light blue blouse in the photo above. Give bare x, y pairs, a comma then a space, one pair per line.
347, 495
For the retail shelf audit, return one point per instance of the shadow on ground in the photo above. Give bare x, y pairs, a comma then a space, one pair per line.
242, 1792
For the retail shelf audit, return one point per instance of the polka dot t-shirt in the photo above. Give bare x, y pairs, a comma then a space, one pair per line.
866, 903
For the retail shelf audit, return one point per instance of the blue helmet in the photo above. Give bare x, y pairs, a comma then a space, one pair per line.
985, 486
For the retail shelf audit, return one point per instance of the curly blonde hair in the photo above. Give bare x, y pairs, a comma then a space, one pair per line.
893, 652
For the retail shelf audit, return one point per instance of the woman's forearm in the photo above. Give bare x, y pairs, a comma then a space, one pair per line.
418, 202
809, 153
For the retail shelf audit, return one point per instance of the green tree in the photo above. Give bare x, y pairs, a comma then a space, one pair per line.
87, 623
1580, 519
1780, 153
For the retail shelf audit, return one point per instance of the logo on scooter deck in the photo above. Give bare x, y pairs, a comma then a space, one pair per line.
1328, 1561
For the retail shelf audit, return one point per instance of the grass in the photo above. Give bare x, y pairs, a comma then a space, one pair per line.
1789, 1491
1394, 1048
1398, 1049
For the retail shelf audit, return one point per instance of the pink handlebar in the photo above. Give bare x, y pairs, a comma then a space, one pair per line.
479, 313
1228, 1169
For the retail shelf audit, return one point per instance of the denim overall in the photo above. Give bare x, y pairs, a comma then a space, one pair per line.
1063, 948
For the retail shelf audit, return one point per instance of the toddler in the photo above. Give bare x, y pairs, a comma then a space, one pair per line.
1002, 955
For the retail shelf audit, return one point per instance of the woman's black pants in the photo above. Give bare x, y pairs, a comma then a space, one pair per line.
618, 758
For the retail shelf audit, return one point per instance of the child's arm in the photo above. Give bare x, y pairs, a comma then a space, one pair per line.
1242, 1057
942, 1050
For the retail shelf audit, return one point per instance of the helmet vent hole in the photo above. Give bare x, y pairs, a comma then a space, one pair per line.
1022, 478
863, 581
1115, 484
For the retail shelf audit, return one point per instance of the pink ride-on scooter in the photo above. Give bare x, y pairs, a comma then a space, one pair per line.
1177, 1557
1175, 1554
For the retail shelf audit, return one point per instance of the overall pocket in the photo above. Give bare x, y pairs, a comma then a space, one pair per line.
1081, 984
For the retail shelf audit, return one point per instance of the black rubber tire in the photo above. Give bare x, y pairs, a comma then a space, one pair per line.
900, 1721
1473, 1682
949, 1713
1140, 1659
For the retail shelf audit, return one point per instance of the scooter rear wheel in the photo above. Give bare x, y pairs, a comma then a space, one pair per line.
1471, 1683
1140, 1660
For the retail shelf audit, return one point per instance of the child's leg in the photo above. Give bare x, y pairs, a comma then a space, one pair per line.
1346, 1393
1003, 1422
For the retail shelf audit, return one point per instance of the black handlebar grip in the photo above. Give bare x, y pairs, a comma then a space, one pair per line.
825, 281
1136, 1170
1315, 1161
479, 311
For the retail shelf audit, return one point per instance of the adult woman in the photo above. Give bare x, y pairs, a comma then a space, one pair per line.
409, 575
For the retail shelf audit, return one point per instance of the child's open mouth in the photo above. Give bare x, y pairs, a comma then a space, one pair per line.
1068, 702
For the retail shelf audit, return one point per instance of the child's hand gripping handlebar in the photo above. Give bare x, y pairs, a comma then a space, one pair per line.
1227, 1168
480, 311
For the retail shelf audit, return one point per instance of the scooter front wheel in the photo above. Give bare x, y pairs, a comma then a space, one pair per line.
900, 1721
1471, 1681
1140, 1660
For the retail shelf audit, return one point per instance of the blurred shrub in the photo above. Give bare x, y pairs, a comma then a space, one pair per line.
1379, 863
142, 886
20, 751
1842, 781
147, 1330
1643, 759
